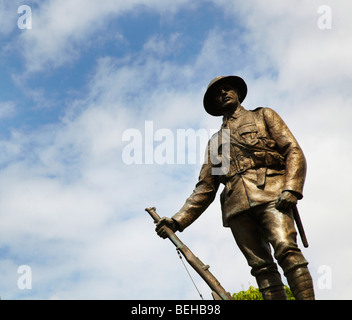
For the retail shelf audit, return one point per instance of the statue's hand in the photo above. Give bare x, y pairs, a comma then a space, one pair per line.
165, 222
286, 201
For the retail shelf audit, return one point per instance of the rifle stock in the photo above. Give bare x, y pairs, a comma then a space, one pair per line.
218, 292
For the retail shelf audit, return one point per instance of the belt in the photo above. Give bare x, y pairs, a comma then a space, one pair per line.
261, 175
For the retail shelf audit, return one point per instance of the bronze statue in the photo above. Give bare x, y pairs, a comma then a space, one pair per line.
263, 180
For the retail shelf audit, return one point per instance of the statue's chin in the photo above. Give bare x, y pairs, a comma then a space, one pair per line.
229, 107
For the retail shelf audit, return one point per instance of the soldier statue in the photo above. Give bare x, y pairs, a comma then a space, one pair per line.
263, 181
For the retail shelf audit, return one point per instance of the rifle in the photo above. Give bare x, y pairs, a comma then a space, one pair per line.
218, 292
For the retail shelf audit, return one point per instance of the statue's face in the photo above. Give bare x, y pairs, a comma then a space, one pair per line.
227, 98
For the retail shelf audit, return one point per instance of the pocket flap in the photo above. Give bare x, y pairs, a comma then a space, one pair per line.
247, 128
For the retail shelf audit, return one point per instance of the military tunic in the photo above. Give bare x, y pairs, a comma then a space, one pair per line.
263, 161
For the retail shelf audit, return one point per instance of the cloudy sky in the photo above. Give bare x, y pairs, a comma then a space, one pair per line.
90, 80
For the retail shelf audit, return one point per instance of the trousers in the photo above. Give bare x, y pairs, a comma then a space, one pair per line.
258, 228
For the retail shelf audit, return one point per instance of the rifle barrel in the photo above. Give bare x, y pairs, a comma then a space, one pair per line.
197, 265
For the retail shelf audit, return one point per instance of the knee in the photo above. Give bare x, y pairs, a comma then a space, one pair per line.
292, 260
259, 269
283, 249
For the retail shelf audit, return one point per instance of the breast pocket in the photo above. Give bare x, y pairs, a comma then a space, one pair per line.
249, 133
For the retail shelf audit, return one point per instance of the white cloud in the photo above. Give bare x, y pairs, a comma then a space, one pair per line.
74, 211
61, 29
7, 109
8, 16
66, 191
310, 88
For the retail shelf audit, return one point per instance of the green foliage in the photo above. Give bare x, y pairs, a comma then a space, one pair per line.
251, 294
289, 293
254, 294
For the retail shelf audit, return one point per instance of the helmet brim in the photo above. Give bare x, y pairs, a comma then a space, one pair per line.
211, 106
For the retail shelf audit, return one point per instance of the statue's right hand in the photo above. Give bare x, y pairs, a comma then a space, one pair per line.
162, 223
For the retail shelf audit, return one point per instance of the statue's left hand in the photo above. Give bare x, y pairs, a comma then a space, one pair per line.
286, 201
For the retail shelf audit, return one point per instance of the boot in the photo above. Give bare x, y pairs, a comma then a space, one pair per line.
271, 286
301, 283
274, 293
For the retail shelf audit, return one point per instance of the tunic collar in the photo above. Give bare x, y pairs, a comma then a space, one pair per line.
238, 112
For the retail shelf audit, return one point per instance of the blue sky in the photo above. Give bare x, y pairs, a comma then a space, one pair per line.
88, 71
125, 36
